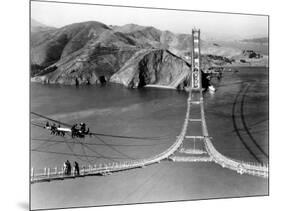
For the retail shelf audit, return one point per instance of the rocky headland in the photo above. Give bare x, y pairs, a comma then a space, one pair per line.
132, 55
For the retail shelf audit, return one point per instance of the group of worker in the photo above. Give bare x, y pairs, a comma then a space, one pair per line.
79, 132
54, 129
76, 131
67, 168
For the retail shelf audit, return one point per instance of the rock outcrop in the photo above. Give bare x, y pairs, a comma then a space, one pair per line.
251, 54
153, 67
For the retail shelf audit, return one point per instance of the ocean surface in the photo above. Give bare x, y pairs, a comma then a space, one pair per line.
237, 119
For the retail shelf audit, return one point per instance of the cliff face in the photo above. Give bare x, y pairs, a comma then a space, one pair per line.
154, 67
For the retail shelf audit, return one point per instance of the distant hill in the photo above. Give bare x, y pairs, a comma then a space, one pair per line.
37, 26
257, 40
127, 28
147, 35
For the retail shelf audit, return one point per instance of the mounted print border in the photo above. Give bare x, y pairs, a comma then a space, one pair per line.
133, 105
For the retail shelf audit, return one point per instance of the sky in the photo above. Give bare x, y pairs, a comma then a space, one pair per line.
212, 25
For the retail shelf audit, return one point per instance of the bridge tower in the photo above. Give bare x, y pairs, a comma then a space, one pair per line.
196, 145
193, 147
195, 60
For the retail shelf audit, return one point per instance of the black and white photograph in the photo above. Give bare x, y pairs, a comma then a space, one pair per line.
136, 105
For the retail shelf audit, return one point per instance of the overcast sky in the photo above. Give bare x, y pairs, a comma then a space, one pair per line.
212, 25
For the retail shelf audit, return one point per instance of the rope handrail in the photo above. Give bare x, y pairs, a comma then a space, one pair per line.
233, 164
130, 164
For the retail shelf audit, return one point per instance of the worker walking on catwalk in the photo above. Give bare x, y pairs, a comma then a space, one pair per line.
76, 169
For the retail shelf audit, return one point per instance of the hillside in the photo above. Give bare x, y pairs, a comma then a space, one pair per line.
92, 52
257, 40
150, 67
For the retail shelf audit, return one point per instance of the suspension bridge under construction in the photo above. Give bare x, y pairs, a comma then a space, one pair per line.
178, 151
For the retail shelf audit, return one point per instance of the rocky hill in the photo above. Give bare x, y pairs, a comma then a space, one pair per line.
148, 67
92, 52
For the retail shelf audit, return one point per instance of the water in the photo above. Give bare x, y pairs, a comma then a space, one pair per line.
249, 113
113, 109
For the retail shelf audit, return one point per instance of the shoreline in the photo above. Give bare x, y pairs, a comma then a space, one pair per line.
159, 86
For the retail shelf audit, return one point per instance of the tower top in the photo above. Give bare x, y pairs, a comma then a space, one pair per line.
195, 30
